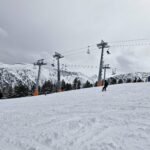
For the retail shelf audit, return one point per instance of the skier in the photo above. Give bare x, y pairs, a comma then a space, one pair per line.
105, 85
1, 95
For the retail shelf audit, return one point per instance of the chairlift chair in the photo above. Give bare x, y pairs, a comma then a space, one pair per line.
52, 65
108, 52
113, 71
88, 51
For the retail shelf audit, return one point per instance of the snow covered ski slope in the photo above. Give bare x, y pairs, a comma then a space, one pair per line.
87, 119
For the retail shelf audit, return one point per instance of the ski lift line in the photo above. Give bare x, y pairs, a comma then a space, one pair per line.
84, 49
74, 53
124, 41
77, 53
81, 66
67, 53
131, 45
113, 46
95, 45
81, 50
78, 49
136, 44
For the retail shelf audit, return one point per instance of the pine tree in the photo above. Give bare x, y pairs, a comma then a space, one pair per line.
113, 81
128, 80
120, 81
139, 80
148, 79
47, 87
95, 83
75, 82
135, 80
21, 90
63, 85
68, 87
10, 93
78, 84
87, 84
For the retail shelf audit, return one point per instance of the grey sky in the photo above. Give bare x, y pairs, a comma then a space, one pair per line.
32, 29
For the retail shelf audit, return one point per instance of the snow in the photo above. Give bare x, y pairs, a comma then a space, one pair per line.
27, 74
132, 76
86, 119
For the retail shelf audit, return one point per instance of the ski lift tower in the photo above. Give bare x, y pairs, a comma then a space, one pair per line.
102, 46
38, 63
105, 67
58, 56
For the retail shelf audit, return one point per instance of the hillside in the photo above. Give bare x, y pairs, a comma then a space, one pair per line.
11, 75
124, 77
86, 119
27, 74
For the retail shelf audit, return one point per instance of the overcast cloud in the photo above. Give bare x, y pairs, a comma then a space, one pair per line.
33, 29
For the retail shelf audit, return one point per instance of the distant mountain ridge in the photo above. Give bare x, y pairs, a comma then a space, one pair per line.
27, 74
11, 75
132, 76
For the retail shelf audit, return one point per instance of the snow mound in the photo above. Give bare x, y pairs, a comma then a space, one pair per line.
86, 119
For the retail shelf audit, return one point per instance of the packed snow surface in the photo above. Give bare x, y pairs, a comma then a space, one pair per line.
86, 119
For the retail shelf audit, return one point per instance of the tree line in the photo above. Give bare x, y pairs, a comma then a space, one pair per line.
48, 87
22, 90
120, 81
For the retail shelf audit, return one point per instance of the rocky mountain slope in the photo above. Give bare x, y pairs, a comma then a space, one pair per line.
133, 76
27, 74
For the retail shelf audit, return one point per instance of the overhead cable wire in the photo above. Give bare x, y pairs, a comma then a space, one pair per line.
81, 66
131, 45
124, 41
78, 49
76, 53
111, 43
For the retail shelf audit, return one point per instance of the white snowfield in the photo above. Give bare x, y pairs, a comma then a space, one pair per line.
86, 119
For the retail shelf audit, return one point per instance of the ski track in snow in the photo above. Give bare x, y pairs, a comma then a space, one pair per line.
86, 119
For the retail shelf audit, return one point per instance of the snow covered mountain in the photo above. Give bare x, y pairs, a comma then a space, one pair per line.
132, 76
27, 74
